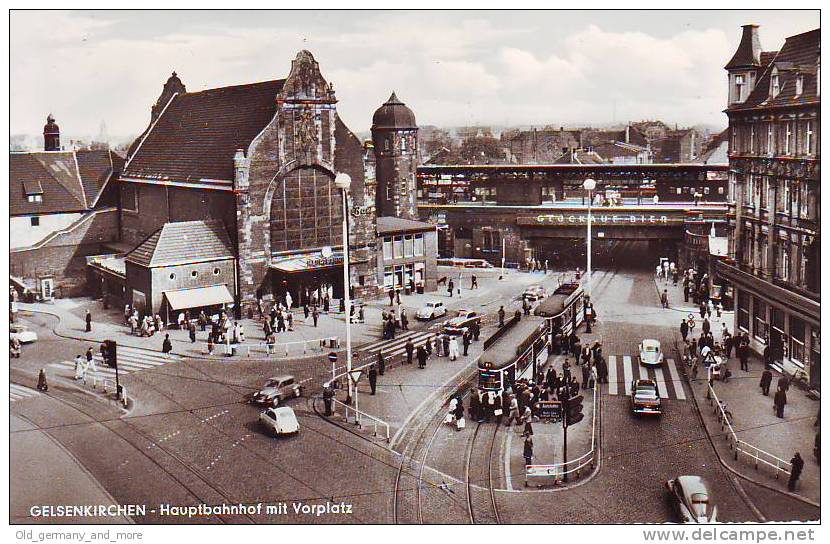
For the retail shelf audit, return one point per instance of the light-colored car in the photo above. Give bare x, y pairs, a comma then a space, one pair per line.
277, 390
457, 326
650, 353
280, 420
23, 334
691, 500
645, 398
431, 310
534, 293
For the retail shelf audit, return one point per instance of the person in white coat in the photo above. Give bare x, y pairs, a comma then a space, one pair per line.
453, 348
288, 300
80, 367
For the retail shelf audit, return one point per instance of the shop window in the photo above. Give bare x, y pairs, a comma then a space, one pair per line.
388, 277
797, 336
419, 245
387, 248
743, 310
761, 330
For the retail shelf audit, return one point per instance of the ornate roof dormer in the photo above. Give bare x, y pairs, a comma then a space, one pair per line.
305, 82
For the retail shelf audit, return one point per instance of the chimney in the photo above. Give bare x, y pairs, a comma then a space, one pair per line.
748, 54
51, 135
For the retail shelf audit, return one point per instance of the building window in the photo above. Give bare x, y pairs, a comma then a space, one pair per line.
752, 139
784, 263
743, 310
799, 85
388, 277
172, 276
808, 140
419, 245
797, 329
397, 247
216, 271
34, 198
740, 85
785, 197
194, 274
34, 221
408, 246
387, 248
403, 143
788, 135
548, 194
774, 87
770, 139
760, 318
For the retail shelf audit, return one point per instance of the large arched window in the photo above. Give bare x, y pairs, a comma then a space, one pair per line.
306, 211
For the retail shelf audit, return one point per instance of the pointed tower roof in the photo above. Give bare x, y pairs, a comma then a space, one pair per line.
748, 54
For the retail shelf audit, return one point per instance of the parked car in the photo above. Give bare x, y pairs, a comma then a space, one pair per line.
280, 420
645, 398
277, 390
534, 293
691, 500
431, 310
22, 333
460, 324
650, 353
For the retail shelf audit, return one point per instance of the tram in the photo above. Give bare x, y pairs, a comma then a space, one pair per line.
514, 355
564, 308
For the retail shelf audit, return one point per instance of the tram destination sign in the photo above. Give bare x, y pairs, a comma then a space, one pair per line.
620, 219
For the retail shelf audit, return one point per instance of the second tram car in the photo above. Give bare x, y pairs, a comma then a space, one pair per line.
518, 351
564, 308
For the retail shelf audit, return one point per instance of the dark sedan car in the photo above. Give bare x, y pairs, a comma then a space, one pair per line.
645, 398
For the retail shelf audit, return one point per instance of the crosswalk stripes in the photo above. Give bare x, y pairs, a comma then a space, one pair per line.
129, 360
392, 348
667, 377
19, 392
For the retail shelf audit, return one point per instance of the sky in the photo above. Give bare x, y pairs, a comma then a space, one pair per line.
453, 68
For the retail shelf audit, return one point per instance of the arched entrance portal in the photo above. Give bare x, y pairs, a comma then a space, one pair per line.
306, 221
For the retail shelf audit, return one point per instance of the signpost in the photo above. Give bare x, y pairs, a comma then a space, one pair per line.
333, 361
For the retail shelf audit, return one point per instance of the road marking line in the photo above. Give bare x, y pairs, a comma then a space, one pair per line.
508, 480
661, 382
628, 373
612, 374
675, 378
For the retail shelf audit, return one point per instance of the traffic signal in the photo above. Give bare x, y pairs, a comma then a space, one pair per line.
573, 410
110, 353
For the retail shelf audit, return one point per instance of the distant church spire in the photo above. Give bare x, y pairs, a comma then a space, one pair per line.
51, 135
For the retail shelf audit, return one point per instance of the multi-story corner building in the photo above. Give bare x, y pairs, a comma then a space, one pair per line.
774, 239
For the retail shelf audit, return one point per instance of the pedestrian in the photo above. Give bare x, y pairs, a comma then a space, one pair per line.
192, 331
459, 415
373, 378
476, 331
501, 316
684, 329
784, 383
706, 326
779, 400
210, 344
445, 345
664, 298
766, 381
328, 395
428, 346
42, 384
88, 321
167, 346
381, 363
410, 350
466, 342
513, 415
398, 296
528, 450
450, 287
527, 418
586, 375
315, 314
525, 306
391, 294
473, 282
453, 348
89, 354
404, 320
475, 405
703, 310
79, 367
422, 356
797, 464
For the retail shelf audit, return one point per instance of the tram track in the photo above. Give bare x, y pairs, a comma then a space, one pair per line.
478, 468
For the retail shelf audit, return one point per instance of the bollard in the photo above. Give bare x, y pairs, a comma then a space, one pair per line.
305, 348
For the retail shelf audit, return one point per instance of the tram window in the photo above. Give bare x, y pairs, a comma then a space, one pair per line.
720, 190
706, 190
679, 190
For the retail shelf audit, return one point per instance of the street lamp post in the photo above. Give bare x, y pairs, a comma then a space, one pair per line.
589, 185
343, 181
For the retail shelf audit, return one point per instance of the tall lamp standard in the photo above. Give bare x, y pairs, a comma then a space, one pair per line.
344, 181
589, 185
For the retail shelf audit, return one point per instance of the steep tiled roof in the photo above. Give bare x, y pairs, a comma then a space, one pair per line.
54, 173
183, 242
97, 167
198, 133
799, 56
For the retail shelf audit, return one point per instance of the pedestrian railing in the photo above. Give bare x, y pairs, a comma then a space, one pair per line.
107, 385
759, 457
379, 427
315, 346
560, 471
